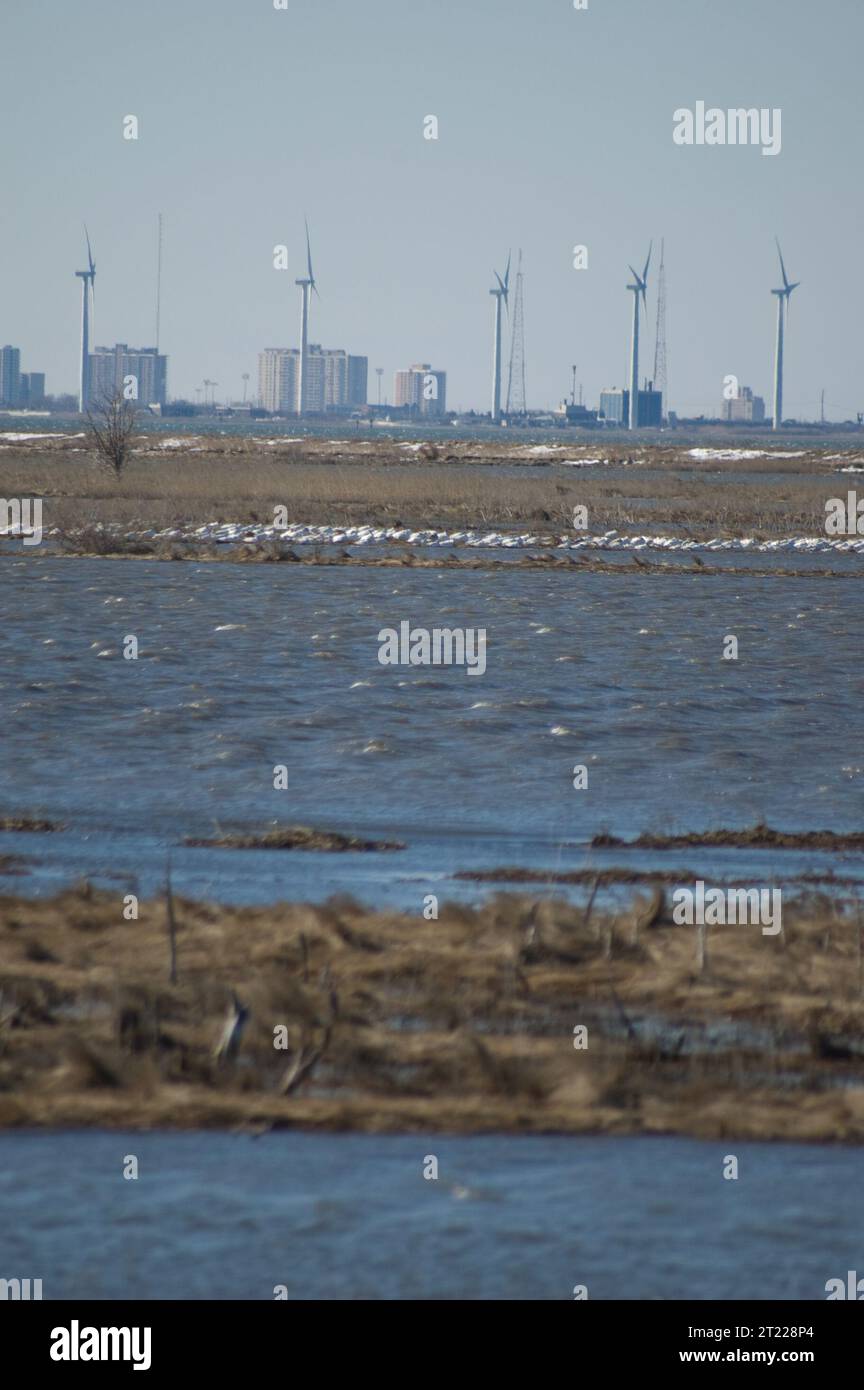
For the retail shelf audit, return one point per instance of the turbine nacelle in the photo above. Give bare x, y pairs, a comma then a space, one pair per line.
640, 284
90, 272
309, 271
788, 285
309, 277
503, 287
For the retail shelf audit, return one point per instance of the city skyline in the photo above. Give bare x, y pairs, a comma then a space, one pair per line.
324, 392
405, 228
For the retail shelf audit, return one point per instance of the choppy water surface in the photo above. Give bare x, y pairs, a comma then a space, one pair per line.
227, 1216
245, 667
723, 437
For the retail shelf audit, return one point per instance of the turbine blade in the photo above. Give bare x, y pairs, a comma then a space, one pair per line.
648, 261
309, 255
633, 272
782, 266
89, 252
507, 271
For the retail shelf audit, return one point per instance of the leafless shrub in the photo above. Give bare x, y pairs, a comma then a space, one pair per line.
91, 540
112, 422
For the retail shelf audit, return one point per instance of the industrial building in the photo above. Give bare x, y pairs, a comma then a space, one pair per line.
577, 414
615, 407
744, 406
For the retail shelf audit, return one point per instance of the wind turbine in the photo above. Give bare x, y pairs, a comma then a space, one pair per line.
500, 292
639, 287
782, 310
306, 284
88, 289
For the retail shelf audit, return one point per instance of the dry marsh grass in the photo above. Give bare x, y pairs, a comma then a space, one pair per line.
464, 1024
243, 482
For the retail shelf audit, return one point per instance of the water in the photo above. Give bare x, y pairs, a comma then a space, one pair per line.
244, 668
230, 1217
683, 436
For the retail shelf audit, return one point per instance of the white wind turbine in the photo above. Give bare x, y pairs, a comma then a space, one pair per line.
500, 292
783, 297
639, 287
88, 291
306, 284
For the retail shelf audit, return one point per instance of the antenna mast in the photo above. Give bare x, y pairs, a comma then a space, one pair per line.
516, 375
158, 279
660, 346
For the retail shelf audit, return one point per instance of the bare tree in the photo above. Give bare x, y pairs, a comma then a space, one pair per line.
112, 423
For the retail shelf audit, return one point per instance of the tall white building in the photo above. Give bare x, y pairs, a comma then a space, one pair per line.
110, 369
335, 379
278, 379
422, 389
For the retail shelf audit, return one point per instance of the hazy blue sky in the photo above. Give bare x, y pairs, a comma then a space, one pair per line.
555, 129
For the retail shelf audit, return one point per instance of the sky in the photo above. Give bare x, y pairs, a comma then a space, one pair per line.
555, 129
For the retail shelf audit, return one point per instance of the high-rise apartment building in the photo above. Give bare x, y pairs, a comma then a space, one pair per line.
421, 389
32, 388
112, 368
278, 378
335, 380
10, 375
358, 380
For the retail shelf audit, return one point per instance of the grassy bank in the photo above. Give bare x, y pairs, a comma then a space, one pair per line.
395, 1023
382, 483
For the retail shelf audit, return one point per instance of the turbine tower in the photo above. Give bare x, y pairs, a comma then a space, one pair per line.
306, 284
515, 404
782, 311
500, 293
639, 287
88, 284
